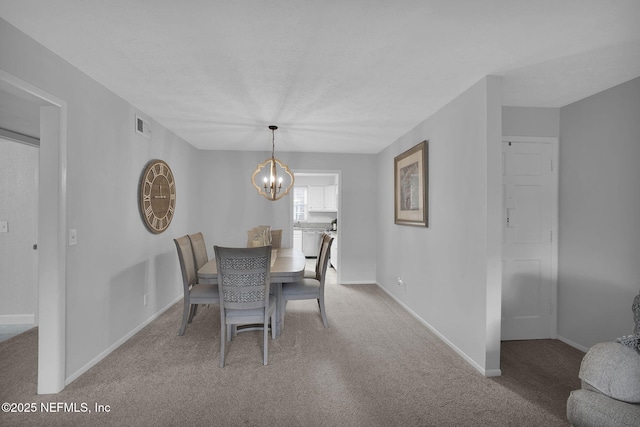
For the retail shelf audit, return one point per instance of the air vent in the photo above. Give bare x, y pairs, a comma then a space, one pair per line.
142, 127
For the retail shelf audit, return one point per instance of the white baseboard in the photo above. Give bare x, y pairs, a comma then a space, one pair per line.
17, 319
573, 344
484, 372
358, 283
118, 343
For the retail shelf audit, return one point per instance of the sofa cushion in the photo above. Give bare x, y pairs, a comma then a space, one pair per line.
614, 370
591, 409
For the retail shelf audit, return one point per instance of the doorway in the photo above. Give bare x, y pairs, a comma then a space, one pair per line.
529, 238
315, 208
51, 230
18, 233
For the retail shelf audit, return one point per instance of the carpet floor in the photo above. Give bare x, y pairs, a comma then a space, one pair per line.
375, 365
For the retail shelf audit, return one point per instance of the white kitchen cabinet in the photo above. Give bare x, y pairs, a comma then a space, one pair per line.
330, 197
316, 198
323, 198
297, 239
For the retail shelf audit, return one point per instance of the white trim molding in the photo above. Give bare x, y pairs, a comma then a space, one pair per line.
17, 319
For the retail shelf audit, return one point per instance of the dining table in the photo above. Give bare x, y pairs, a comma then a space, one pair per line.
287, 266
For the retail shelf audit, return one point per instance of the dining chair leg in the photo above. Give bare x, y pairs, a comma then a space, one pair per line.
280, 307
323, 313
273, 326
222, 340
185, 317
192, 312
265, 340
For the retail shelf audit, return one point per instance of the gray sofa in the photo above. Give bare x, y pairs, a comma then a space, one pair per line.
610, 393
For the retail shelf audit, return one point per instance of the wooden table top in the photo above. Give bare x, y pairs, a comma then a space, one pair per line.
288, 266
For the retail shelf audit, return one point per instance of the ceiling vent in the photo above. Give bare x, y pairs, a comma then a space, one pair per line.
142, 127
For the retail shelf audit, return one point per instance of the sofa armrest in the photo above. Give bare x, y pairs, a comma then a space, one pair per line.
614, 370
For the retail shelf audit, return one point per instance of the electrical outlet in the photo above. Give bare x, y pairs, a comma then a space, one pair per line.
4, 226
145, 299
400, 282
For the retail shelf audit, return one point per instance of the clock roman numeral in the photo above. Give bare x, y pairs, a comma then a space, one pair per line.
149, 211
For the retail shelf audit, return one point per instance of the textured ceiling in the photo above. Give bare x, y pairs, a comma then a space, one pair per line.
347, 76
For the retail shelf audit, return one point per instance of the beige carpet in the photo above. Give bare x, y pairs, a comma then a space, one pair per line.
374, 366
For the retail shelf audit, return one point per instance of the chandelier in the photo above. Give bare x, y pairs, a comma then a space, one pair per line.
271, 173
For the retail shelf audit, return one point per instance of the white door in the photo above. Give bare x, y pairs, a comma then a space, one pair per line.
529, 206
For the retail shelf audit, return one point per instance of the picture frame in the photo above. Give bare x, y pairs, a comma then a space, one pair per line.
411, 186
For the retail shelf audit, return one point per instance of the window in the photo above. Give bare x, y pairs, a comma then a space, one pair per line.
300, 203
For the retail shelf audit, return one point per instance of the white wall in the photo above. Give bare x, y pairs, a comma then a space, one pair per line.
18, 206
452, 268
599, 243
306, 180
531, 121
232, 206
116, 260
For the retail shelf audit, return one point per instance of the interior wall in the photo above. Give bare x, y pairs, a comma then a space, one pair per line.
235, 206
531, 121
599, 242
18, 207
452, 269
116, 261
305, 180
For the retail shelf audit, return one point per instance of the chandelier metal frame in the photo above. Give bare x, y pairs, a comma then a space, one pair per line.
271, 187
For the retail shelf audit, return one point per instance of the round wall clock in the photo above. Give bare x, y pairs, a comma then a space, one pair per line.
157, 196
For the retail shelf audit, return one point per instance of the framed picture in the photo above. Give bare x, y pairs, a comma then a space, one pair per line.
411, 189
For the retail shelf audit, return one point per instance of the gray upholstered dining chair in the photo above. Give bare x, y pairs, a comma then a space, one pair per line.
312, 274
194, 293
244, 278
259, 236
199, 247
312, 288
200, 257
276, 239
